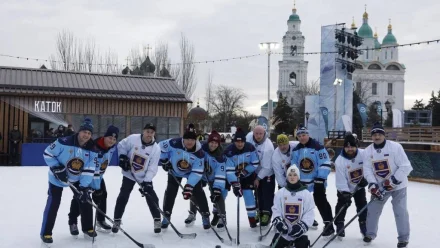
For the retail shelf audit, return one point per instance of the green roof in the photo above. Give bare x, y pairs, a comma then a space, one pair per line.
365, 31
376, 44
294, 17
389, 39
274, 104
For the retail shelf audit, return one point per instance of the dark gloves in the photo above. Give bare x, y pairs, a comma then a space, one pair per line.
298, 229
124, 162
146, 188
187, 191
84, 194
373, 188
166, 164
216, 195
319, 186
60, 173
280, 225
391, 183
98, 193
241, 173
236, 187
347, 197
363, 183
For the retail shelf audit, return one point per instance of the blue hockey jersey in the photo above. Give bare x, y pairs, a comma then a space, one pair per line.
312, 160
215, 167
185, 164
80, 162
104, 158
239, 160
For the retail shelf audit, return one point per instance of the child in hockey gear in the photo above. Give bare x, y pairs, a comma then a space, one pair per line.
293, 212
314, 165
70, 159
350, 183
105, 147
265, 180
138, 157
242, 161
215, 175
386, 167
183, 158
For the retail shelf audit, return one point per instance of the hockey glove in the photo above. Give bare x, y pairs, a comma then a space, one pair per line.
60, 173
236, 187
207, 168
84, 194
373, 188
319, 186
391, 183
363, 183
166, 164
124, 162
280, 225
187, 191
146, 188
346, 196
298, 230
98, 193
216, 195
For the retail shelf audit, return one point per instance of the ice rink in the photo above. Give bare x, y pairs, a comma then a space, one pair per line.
23, 196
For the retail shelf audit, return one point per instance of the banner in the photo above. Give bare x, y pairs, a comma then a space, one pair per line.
324, 112
262, 121
363, 112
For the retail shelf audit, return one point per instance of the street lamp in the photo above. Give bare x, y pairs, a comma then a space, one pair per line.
379, 107
388, 106
268, 47
307, 118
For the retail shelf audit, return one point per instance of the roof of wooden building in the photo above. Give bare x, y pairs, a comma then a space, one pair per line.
29, 81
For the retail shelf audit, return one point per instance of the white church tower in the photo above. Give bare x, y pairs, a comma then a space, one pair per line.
293, 68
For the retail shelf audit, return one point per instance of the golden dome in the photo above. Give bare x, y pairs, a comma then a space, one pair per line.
365, 16
375, 33
353, 25
390, 27
294, 6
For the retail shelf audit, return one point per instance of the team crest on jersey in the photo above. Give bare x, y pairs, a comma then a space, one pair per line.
75, 166
292, 212
183, 165
104, 166
382, 168
138, 162
307, 165
240, 168
356, 175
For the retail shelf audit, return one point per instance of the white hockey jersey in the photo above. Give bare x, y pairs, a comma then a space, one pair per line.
265, 151
294, 207
383, 163
281, 162
144, 159
349, 172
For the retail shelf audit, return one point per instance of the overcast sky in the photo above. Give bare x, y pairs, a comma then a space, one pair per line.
222, 29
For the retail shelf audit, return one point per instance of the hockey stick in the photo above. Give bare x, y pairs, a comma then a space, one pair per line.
110, 219
94, 225
260, 238
198, 209
238, 222
257, 199
181, 235
352, 219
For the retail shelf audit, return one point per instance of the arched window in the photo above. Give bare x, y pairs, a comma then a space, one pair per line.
374, 67
292, 78
291, 101
368, 51
393, 68
374, 88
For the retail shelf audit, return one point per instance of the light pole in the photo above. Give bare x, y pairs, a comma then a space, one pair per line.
269, 46
307, 120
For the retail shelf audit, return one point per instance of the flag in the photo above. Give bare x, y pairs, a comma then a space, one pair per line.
363, 112
324, 112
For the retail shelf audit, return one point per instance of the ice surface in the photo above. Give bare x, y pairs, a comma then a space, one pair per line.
23, 194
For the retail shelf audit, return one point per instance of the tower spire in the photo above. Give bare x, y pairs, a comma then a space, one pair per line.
365, 16
294, 6
390, 27
353, 25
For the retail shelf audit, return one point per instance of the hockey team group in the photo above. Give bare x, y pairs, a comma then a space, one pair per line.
250, 167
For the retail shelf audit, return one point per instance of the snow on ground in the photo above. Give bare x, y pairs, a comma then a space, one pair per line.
23, 194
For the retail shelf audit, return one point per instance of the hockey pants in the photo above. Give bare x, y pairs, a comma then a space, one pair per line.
99, 198
218, 207
124, 195
400, 210
54, 194
171, 194
301, 242
85, 209
322, 204
265, 194
360, 201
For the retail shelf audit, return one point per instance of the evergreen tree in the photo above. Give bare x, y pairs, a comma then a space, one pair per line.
389, 120
283, 118
434, 106
357, 120
373, 115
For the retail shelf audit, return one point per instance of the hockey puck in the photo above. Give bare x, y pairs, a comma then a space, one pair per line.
218, 246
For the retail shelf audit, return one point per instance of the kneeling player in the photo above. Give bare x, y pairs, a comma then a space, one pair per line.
293, 212
350, 183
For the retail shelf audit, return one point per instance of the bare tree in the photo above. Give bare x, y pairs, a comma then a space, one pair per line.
208, 92
186, 77
363, 90
311, 88
65, 46
89, 55
226, 102
160, 57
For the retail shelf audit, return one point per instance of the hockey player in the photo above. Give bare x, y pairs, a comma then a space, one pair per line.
183, 158
293, 212
281, 158
242, 161
70, 159
105, 147
386, 167
138, 158
315, 166
265, 180
350, 183
215, 175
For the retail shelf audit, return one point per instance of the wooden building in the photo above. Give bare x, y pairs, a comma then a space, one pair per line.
37, 100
